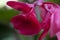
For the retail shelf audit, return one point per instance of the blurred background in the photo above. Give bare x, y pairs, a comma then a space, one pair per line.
6, 13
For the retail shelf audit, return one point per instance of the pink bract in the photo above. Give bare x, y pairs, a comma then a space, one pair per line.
25, 23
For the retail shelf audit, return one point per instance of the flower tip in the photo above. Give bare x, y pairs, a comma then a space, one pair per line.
20, 6
9, 3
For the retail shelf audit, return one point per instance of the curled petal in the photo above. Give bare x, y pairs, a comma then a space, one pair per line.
19, 6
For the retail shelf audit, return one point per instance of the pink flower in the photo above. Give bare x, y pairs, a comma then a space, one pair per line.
48, 9
25, 23
52, 22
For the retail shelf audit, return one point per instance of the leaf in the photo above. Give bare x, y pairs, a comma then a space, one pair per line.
56, 1
6, 15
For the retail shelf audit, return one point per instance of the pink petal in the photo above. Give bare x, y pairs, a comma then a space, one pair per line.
49, 9
57, 17
30, 5
58, 35
26, 24
55, 22
46, 26
19, 6
53, 28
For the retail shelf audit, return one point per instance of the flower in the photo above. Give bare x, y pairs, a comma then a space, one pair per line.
47, 10
52, 22
25, 23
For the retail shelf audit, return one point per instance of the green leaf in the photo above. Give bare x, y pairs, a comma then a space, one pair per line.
6, 15
56, 1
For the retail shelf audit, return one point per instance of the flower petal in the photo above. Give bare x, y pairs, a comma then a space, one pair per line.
47, 7
26, 24
46, 26
55, 22
58, 35
19, 6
